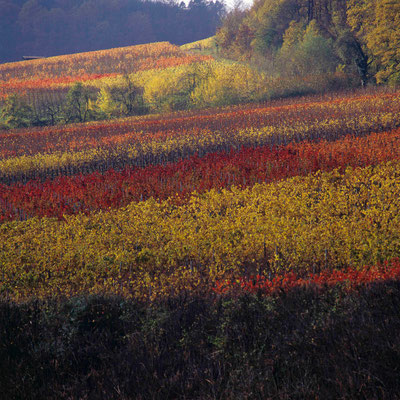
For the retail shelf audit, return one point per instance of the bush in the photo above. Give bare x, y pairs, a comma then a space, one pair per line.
305, 52
307, 343
119, 100
15, 113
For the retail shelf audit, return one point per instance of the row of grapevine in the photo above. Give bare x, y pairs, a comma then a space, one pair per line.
102, 134
60, 71
350, 277
90, 193
99, 147
321, 221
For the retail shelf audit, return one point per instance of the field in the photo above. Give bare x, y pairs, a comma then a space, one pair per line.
149, 205
264, 234
46, 76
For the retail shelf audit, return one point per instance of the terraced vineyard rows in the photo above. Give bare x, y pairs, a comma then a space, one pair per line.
50, 74
145, 141
150, 206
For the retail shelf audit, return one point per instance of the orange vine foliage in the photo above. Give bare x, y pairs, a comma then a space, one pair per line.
340, 115
350, 277
226, 223
89, 193
55, 72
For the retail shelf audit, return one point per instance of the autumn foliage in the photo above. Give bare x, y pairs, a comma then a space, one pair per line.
61, 71
249, 238
142, 141
150, 206
95, 191
350, 278
205, 254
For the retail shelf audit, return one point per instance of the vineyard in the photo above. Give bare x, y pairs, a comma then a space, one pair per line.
205, 253
211, 214
149, 206
211, 246
153, 78
50, 74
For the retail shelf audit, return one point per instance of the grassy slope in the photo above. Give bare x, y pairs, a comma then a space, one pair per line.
206, 46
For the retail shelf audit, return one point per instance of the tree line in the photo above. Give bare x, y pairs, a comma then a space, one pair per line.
194, 86
302, 37
80, 104
55, 27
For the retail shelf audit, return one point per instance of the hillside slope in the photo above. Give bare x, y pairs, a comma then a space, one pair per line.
55, 27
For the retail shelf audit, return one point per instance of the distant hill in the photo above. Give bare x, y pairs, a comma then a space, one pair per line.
55, 27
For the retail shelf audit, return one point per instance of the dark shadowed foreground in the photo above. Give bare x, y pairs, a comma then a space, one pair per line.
308, 343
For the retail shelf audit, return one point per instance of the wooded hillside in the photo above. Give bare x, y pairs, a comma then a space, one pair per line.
55, 27
299, 37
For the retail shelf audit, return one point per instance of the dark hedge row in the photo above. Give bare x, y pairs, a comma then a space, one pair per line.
308, 343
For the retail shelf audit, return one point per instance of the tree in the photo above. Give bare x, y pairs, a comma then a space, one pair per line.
352, 53
15, 113
376, 23
331, 17
106, 104
305, 51
384, 40
123, 99
130, 96
53, 27
8, 29
77, 105
226, 34
271, 21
